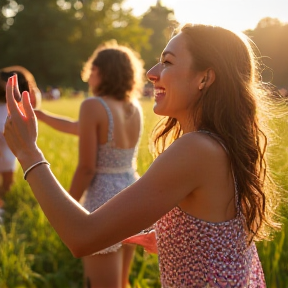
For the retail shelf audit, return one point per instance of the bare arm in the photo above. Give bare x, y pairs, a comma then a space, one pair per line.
129, 212
171, 177
63, 124
86, 167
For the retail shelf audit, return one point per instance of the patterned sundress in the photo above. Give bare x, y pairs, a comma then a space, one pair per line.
196, 253
115, 170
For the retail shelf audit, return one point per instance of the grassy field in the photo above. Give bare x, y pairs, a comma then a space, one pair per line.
31, 253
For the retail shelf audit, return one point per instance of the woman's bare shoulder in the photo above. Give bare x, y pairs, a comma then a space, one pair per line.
91, 103
197, 149
92, 110
202, 142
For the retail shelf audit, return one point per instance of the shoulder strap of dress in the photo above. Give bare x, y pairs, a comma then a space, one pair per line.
110, 118
220, 141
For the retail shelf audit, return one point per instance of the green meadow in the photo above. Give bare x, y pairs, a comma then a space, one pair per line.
31, 253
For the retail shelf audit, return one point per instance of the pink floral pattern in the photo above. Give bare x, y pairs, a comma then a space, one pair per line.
196, 253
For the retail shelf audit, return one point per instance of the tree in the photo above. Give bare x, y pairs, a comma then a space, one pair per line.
54, 38
161, 23
38, 40
271, 37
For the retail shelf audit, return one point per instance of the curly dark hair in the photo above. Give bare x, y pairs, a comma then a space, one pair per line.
120, 68
231, 108
26, 80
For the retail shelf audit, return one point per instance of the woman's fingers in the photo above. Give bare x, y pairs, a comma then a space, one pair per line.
10, 100
16, 92
21, 125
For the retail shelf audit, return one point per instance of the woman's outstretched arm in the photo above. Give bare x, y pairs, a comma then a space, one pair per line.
172, 176
62, 124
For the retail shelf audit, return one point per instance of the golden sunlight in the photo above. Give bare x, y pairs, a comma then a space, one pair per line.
237, 15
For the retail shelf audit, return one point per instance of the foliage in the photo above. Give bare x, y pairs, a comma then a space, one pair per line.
160, 20
41, 35
53, 38
31, 253
274, 254
271, 37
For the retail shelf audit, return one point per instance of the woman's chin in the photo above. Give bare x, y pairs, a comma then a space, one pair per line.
157, 110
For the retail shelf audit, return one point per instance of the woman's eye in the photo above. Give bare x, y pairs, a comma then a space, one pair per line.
166, 62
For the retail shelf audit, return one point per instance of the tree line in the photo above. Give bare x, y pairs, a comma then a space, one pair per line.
271, 37
53, 38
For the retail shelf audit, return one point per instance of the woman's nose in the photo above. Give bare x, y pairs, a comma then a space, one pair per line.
153, 74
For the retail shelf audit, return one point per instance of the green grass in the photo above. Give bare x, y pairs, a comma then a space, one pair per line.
32, 254
274, 254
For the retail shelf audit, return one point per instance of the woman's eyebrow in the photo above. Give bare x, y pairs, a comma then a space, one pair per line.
167, 52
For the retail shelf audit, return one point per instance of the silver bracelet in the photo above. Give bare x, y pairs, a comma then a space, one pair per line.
33, 166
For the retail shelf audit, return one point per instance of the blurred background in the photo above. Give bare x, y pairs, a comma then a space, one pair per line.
53, 38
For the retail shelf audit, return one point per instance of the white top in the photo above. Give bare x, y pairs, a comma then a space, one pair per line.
3, 115
7, 159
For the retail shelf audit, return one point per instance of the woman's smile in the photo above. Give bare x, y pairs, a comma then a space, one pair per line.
159, 93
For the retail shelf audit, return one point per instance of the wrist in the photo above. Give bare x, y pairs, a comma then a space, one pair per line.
26, 159
34, 166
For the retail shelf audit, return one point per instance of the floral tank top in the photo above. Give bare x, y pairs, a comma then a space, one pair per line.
196, 253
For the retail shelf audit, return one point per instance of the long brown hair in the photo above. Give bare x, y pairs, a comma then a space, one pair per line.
232, 108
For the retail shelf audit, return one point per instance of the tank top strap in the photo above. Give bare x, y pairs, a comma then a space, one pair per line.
110, 118
220, 141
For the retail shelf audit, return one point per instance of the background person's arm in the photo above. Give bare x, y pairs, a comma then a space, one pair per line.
60, 123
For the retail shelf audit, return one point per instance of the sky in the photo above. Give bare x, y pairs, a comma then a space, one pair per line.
237, 15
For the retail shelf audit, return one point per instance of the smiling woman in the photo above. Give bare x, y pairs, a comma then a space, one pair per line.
181, 95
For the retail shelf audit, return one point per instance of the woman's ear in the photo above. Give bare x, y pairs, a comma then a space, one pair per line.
208, 79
